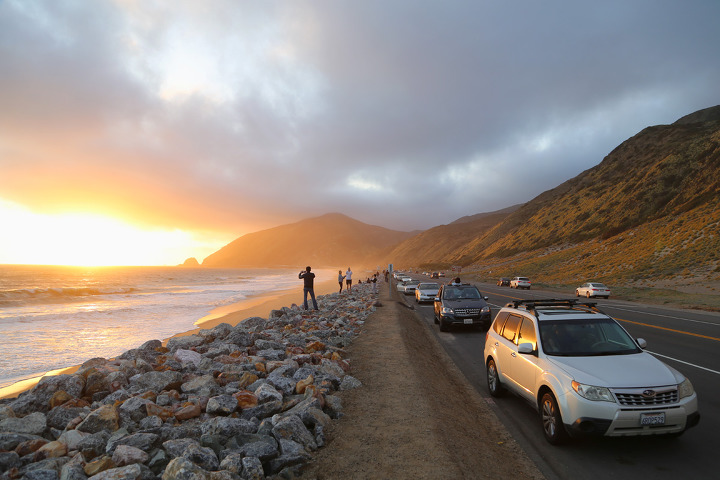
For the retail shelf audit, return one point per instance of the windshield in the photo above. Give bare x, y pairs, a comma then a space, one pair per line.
462, 293
585, 337
429, 286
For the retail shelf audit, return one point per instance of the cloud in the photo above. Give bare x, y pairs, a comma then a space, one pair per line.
229, 117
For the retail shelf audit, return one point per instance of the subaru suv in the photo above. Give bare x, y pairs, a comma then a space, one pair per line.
584, 373
461, 304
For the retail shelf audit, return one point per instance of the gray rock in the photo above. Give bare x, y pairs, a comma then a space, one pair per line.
93, 445
151, 423
38, 399
204, 383
134, 409
262, 449
6, 412
227, 426
262, 344
151, 345
185, 342
271, 354
156, 381
266, 392
232, 463
142, 441
349, 382
129, 472
60, 416
222, 405
292, 428
41, 474
292, 453
73, 438
203, 457
9, 460
32, 424
127, 455
185, 357
183, 469
263, 410
175, 448
252, 469
104, 418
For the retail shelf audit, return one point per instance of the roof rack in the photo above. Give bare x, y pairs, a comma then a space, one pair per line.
553, 302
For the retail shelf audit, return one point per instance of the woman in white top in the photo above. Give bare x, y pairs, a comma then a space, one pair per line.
348, 279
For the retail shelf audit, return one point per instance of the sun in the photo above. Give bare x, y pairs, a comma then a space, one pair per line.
88, 239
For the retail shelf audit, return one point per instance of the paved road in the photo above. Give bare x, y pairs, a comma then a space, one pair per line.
687, 340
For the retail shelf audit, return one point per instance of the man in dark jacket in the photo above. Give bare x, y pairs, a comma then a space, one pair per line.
309, 278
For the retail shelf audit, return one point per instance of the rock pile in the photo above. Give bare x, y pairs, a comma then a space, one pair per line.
244, 402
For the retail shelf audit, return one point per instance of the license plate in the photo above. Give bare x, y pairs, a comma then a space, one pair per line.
468, 321
652, 418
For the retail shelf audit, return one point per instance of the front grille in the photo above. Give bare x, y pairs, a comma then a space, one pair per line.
636, 398
467, 312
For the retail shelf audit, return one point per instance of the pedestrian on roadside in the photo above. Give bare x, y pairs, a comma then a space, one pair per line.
341, 277
374, 282
308, 287
348, 280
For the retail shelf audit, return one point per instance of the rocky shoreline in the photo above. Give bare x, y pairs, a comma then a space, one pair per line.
246, 402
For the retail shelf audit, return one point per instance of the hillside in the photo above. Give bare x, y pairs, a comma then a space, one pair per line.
329, 240
434, 246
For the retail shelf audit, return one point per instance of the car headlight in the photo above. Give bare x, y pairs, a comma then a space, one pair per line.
447, 311
485, 310
685, 389
597, 394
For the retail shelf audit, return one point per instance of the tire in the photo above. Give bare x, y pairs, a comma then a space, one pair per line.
587, 294
551, 420
444, 327
577, 294
493, 381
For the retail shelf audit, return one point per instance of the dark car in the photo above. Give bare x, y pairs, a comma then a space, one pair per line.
503, 282
461, 305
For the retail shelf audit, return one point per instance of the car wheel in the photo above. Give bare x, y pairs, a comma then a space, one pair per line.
587, 294
493, 380
577, 294
444, 326
552, 424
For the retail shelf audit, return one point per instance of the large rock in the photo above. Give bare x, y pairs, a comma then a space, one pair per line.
33, 424
183, 469
127, 455
104, 418
227, 426
156, 381
184, 342
38, 399
292, 428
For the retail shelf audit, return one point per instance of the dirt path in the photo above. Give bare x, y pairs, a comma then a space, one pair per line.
415, 415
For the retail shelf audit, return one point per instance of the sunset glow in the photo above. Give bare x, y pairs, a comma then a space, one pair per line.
85, 239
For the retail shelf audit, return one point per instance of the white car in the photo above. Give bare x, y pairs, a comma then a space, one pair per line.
408, 287
520, 282
426, 292
584, 373
592, 289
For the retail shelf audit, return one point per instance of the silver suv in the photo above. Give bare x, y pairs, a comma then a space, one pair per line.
584, 373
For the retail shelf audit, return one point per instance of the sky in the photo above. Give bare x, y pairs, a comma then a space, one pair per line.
145, 132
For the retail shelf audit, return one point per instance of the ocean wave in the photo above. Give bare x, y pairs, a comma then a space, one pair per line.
24, 295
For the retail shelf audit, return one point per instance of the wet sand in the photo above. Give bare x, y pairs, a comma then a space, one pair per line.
257, 306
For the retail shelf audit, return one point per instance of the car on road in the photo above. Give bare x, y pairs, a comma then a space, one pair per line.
426, 292
584, 373
461, 304
503, 282
592, 289
520, 282
408, 286
434, 275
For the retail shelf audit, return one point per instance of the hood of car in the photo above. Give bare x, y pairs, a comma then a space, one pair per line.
619, 371
464, 303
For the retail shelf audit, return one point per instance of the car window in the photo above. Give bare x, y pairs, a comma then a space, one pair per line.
511, 326
499, 322
585, 337
527, 333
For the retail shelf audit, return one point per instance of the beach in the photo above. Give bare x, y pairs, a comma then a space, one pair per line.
258, 305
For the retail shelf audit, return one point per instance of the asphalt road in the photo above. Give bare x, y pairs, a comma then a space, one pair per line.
687, 340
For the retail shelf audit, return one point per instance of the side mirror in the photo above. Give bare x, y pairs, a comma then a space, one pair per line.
526, 348
485, 298
437, 299
642, 343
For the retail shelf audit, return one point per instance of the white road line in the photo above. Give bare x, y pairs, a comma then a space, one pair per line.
661, 315
684, 362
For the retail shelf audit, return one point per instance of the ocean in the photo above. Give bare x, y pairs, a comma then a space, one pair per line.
54, 317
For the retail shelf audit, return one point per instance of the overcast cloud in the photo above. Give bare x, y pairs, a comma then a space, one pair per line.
228, 116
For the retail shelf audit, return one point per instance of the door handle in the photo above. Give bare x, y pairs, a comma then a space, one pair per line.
513, 354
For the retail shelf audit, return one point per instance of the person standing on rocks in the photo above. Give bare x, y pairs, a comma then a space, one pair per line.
341, 277
308, 287
348, 280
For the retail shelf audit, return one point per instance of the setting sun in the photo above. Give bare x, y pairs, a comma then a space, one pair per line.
85, 239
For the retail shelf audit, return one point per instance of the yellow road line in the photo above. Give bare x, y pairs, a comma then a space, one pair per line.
669, 329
